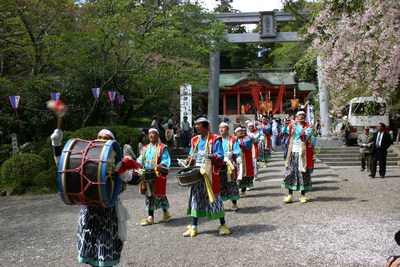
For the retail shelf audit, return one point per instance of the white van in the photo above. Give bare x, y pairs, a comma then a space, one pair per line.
366, 111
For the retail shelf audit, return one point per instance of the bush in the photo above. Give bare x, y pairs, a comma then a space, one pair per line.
6, 151
18, 172
47, 154
45, 182
33, 147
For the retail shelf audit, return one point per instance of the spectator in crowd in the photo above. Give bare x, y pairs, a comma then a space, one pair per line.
185, 135
141, 142
169, 136
128, 151
382, 142
365, 143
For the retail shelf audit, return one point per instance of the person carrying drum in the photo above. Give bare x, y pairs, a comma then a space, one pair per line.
156, 160
228, 172
101, 230
245, 161
207, 153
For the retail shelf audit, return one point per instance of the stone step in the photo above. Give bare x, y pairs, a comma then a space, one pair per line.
356, 163
337, 155
344, 159
344, 150
349, 156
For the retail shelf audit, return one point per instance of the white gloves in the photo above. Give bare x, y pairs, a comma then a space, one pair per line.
205, 155
262, 138
202, 153
126, 176
182, 163
56, 137
228, 155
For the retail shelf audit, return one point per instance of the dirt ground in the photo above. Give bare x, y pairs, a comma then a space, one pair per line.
350, 221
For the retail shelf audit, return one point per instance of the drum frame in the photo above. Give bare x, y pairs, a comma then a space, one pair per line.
110, 146
187, 184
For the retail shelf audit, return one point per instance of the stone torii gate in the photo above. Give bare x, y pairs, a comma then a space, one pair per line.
268, 34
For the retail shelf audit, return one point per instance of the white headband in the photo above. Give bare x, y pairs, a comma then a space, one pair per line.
300, 113
201, 119
224, 124
154, 130
250, 123
238, 129
107, 132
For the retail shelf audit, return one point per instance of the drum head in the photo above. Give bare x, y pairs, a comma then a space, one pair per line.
86, 172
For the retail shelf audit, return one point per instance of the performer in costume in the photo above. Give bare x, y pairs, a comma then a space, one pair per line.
155, 156
245, 161
254, 134
228, 172
206, 151
285, 137
265, 150
299, 162
98, 236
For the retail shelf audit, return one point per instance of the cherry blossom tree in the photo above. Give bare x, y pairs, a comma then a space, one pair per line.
359, 42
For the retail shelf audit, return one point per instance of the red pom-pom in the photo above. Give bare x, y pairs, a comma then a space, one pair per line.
58, 107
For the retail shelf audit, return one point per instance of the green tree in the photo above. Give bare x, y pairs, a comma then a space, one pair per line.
141, 49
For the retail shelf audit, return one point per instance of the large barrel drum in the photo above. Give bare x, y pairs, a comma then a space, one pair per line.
86, 172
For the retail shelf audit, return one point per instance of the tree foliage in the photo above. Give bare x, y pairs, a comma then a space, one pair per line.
141, 49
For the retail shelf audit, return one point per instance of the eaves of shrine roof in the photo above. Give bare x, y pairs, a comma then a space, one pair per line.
272, 78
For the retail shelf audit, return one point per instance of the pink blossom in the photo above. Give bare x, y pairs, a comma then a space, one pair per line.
361, 51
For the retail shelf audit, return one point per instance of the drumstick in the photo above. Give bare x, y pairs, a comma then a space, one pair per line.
59, 108
148, 189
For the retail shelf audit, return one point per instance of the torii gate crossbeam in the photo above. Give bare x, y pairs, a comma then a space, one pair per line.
268, 34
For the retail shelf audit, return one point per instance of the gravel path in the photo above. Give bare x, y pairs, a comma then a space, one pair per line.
350, 221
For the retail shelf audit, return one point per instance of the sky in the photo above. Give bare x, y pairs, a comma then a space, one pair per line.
249, 5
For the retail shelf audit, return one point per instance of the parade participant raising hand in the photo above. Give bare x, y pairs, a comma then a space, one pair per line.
300, 161
101, 230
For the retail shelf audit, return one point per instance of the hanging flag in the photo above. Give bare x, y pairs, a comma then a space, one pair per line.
111, 95
96, 92
14, 99
120, 99
55, 96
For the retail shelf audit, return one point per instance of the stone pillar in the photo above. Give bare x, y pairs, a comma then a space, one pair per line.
326, 121
213, 92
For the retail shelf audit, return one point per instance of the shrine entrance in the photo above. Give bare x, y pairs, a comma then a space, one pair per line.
258, 91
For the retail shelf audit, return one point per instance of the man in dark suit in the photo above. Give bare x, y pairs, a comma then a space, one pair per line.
382, 141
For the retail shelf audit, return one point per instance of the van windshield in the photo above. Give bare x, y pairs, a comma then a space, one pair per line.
370, 108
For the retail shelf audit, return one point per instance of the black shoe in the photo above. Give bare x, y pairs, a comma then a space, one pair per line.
382, 176
372, 176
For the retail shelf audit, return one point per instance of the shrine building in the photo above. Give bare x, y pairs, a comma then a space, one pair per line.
262, 91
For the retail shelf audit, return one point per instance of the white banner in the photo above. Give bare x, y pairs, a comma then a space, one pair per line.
186, 102
310, 114
14, 143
